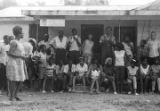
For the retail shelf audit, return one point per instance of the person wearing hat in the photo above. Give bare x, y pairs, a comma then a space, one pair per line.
16, 67
132, 77
81, 71
109, 73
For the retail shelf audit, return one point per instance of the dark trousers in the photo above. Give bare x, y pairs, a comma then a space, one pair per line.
74, 56
3, 78
144, 80
152, 60
120, 77
110, 79
60, 55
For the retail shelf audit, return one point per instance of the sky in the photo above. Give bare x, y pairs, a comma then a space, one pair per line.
111, 2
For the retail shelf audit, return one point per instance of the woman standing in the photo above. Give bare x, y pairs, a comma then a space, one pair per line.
87, 49
16, 68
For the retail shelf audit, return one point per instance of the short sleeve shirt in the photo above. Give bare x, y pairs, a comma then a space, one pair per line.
74, 46
61, 44
132, 71
81, 69
153, 47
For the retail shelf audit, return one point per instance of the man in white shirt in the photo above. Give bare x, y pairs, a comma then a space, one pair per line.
153, 46
4, 48
74, 46
60, 44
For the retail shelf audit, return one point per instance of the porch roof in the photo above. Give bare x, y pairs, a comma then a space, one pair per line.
77, 10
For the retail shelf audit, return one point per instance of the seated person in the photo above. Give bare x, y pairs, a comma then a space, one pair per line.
69, 71
155, 76
50, 74
81, 71
59, 77
109, 73
132, 79
144, 74
95, 70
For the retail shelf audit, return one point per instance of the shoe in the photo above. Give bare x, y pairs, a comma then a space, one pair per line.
115, 93
43, 91
129, 92
61, 92
136, 94
70, 90
18, 99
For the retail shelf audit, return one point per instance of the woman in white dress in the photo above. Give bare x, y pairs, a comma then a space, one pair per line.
88, 49
16, 67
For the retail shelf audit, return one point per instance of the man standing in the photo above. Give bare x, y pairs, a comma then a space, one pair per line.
107, 42
60, 44
153, 46
4, 48
74, 46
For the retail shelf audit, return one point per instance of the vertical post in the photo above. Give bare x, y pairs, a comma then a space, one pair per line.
37, 32
119, 32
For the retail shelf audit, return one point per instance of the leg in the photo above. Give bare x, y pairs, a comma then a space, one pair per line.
92, 85
74, 82
11, 88
65, 82
18, 84
84, 80
141, 83
158, 84
153, 83
146, 80
113, 84
134, 79
44, 84
97, 86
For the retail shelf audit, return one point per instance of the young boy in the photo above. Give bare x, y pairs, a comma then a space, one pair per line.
50, 75
109, 73
69, 70
81, 71
155, 75
132, 79
144, 74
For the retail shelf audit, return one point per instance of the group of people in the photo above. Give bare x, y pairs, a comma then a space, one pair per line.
65, 61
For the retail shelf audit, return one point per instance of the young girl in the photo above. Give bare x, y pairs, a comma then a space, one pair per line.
42, 64
50, 74
155, 76
87, 49
132, 79
144, 73
95, 70
109, 73
119, 63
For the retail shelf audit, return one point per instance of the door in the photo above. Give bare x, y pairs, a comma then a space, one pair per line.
97, 31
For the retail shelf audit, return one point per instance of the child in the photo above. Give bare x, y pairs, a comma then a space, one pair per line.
42, 64
119, 63
88, 49
50, 74
69, 70
109, 73
155, 75
59, 76
132, 79
95, 70
81, 71
144, 73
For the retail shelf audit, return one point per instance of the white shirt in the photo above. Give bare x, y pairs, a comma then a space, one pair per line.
74, 46
153, 47
119, 58
95, 74
50, 69
28, 48
57, 43
3, 53
82, 69
66, 68
132, 71
88, 45
144, 70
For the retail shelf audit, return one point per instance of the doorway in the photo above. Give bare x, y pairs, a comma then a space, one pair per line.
97, 31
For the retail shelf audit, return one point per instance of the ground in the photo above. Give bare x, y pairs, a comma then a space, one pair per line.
36, 101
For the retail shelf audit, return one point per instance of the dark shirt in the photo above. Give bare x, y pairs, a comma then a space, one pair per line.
109, 70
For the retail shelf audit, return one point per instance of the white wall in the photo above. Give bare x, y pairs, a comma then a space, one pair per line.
145, 27
77, 24
6, 29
